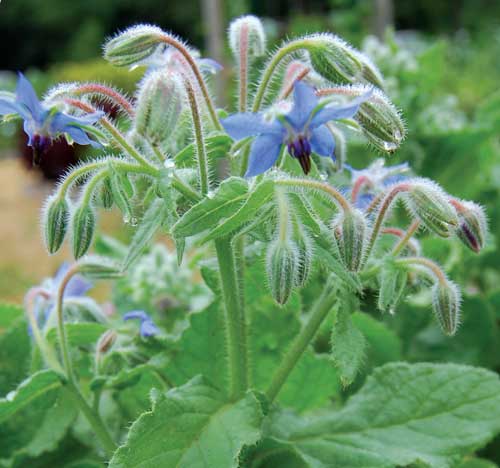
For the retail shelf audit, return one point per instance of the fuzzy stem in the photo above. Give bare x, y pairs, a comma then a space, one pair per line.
406, 238
115, 133
432, 267
91, 186
243, 59
271, 67
382, 213
93, 419
113, 94
235, 321
320, 310
198, 133
284, 215
199, 78
338, 198
356, 188
288, 89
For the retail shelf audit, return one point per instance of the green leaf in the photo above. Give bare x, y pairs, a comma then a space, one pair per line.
194, 427
260, 195
200, 349
35, 417
228, 198
154, 217
15, 348
8, 314
217, 147
421, 413
347, 342
79, 334
477, 463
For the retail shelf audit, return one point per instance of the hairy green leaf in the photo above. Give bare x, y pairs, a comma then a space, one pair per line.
192, 426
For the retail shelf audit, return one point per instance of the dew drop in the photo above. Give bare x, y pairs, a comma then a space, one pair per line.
390, 147
392, 311
169, 164
323, 176
126, 218
210, 194
133, 221
10, 396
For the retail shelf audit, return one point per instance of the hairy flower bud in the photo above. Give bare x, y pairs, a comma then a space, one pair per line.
159, 103
351, 232
132, 45
446, 304
472, 224
429, 203
96, 267
281, 265
393, 282
380, 121
83, 226
106, 341
304, 258
247, 28
106, 194
55, 222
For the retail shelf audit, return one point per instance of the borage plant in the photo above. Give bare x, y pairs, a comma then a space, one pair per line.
257, 378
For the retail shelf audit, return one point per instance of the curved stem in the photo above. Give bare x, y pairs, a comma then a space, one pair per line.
431, 266
271, 67
113, 94
201, 82
332, 192
198, 134
93, 418
235, 321
406, 238
92, 184
185, 189
320, 310
288, 89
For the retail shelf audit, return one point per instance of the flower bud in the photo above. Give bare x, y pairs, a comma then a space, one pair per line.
304, 258
96, 267
247, 28
429, 203
83, 227
281, 265
351, 232
159, 104
132, 45
55, 222
334, 59
106, 341
106, 194
393, 282
472, 225
446, 303
369, 71
381, 122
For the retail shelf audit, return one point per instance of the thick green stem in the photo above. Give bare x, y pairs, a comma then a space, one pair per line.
93, 418
198, 134
321, 309
235, 321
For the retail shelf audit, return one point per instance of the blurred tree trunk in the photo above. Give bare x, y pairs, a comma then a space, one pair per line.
213, 21
383, 17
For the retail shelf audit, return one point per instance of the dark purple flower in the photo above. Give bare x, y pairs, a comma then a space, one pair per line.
302, 130
147, 327
43, 124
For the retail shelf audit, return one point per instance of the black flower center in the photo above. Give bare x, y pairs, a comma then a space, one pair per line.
300, 149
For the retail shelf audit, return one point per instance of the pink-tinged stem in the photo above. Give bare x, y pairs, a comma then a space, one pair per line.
243, 67
115, 96
358, 185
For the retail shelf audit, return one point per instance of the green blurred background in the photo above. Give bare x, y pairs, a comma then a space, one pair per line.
440, 58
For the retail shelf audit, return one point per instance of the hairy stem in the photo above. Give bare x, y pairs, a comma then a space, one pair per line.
235, 321
320, 310
433, 268
113, 94
199, 78
243, 61
406, 238
198, 135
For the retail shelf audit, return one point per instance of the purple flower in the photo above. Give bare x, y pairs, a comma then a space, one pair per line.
367, 183
147, 327
43, 124
303, 130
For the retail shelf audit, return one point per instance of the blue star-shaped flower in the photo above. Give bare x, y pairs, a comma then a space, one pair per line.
43, 124
367, 183
147, 328
303, 130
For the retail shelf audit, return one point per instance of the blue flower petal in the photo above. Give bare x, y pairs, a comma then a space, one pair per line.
137, 315
148, 328
346, 111
25, 95
364, 200
77, 287
304, 102
263, 154
209, 65
10, 107
323, 142
246, 124
80, 137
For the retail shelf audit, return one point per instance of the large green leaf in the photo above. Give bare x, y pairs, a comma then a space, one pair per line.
35, 417
226, 201
192, 426
423, 413
217, 147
